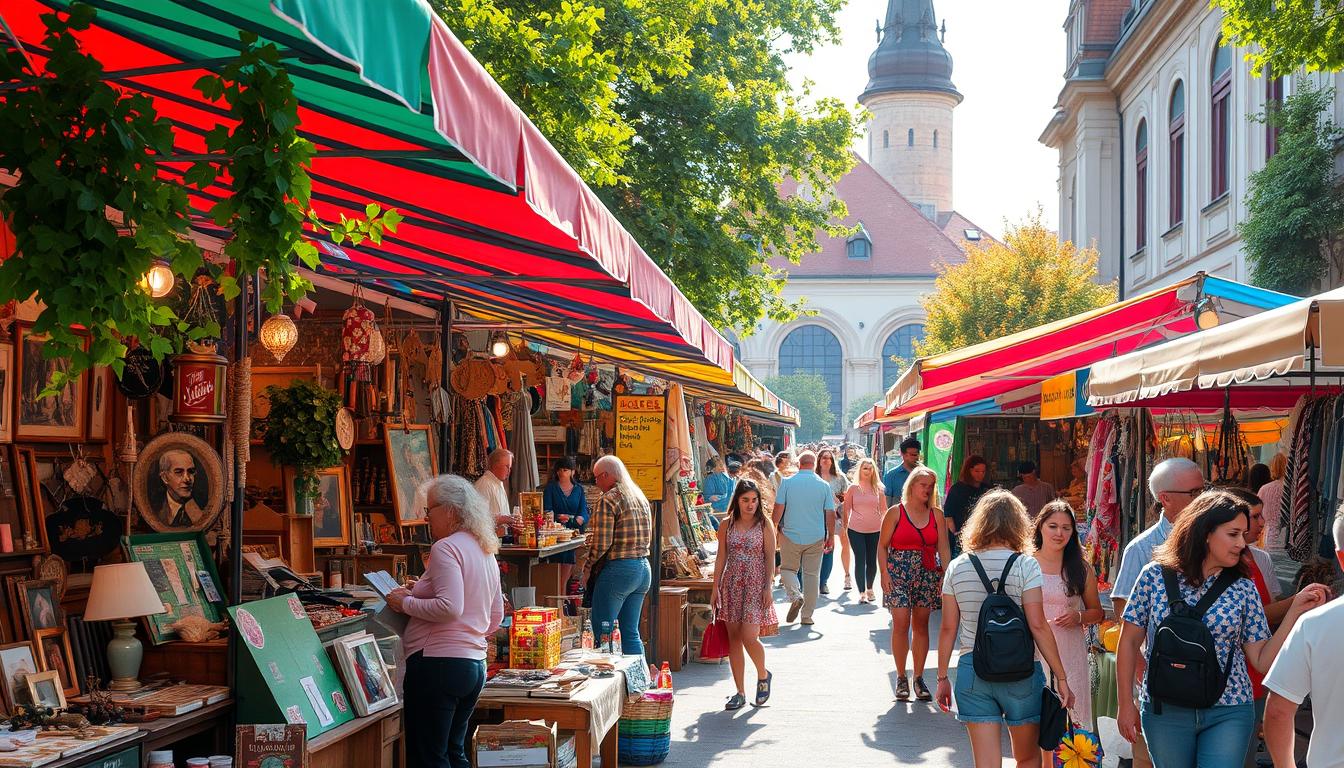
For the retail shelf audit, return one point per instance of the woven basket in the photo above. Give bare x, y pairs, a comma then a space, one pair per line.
645, 727
643, 750
648, 707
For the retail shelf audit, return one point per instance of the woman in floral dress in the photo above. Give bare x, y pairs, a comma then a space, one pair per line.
741, 594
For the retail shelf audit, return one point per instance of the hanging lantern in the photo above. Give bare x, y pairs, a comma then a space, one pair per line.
358, 328
377, 347
198, 385
279, 335
158, 281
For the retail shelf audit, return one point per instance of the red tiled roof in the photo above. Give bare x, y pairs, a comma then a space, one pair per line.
954, 225
904, 241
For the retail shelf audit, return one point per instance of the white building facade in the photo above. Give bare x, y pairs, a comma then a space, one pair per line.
1157, 139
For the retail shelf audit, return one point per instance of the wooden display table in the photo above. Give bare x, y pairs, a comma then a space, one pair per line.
699, 589
591, 713
208, 725
376, 741
530, 556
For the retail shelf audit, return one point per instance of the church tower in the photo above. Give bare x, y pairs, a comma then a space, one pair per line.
911, 97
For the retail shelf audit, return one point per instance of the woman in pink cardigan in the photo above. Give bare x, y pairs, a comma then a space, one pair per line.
454, 609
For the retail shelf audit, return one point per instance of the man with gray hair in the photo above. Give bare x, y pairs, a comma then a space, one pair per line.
803, 534
620, 534
177, 472
491, 485
1174, 483
1308, 665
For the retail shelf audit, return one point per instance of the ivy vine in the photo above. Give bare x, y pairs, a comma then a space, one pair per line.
79, 148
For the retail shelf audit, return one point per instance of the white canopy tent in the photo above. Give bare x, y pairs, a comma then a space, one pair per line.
1290, 339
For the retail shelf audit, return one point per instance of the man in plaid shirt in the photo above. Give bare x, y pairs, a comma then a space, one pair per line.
619, 535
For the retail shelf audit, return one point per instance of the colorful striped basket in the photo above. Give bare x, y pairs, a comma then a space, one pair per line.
645, 735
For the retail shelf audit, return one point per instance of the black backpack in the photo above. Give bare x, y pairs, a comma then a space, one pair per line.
1004, 650
1183, 664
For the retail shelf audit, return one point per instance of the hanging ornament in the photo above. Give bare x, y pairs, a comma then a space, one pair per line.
279, 335
201, 312
357, 331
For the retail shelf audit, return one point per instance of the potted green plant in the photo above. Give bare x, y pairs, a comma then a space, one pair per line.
299, 431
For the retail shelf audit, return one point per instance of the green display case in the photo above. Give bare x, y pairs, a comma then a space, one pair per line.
284, 673
183, 573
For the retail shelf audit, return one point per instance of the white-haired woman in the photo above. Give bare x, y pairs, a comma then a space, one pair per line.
454, 609
619, 535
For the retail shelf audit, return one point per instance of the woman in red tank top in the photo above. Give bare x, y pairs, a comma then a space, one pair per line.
915, 549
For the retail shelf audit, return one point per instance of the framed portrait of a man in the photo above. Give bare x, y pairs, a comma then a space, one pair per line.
178, 483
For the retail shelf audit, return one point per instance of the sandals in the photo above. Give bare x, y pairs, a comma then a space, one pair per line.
902, 688
922, 690
736, 701
849, 584
763, 689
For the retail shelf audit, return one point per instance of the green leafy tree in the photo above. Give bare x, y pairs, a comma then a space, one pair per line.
1029, 279
1284, 35
681, 116
860, 405
1294, 208
808, 393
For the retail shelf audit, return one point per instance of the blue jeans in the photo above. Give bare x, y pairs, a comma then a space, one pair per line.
618, 595
443, 692
1198, 738
827, 562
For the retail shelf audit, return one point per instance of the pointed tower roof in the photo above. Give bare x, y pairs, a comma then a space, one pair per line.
910, 55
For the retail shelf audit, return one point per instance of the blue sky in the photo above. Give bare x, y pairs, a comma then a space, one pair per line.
1008, 63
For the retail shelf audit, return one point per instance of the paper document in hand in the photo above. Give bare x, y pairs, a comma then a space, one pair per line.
381, 581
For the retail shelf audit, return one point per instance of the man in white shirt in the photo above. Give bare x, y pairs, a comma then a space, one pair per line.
492, 486
1309, 665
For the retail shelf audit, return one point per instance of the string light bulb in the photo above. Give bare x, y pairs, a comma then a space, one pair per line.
279, 335
159, 280
1206, 314
499, 347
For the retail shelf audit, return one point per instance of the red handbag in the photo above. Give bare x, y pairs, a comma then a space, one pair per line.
714, 643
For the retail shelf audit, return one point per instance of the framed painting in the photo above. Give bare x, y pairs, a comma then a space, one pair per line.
366, 674
58, 418
178, 483
411, 461
41, 605
52, 647
16, 663
100, 404
28, 493
6, 392
332, 509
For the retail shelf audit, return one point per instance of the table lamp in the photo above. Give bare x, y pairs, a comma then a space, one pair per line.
121, 592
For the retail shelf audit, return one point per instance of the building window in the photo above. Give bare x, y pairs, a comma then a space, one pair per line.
935, 139
1273, 101
972, 235
900, 345
1176, 142
1221, 92
910, 137
1141, 187
813, 349
886, 139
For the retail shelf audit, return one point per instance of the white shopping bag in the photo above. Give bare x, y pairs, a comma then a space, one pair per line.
1113, 745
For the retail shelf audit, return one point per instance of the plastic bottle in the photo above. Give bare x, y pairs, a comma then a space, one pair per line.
587, 637
665, 676
605, 638
616, 637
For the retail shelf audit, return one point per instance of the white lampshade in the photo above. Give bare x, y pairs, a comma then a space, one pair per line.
121, 591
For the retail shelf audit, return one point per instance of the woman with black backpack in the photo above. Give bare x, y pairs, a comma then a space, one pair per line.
992, 611
1196, 694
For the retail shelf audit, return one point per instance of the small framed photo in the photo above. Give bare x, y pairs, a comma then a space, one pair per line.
331, 507
54, 655
100, 403
44, 689
366, 674
16, 663
6, 392
41, 606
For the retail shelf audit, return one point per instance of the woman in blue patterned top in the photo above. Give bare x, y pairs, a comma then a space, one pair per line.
565, 498
1208, 538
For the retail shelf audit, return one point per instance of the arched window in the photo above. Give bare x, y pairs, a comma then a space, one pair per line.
1273, 101
899, 345
1176, 169
813, 349
935, 139
886, 139
1141, 187
910, 137
1220, 99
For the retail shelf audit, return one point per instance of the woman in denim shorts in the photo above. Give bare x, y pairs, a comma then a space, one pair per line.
997, 528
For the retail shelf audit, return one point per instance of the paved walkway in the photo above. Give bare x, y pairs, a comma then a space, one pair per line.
833, 703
